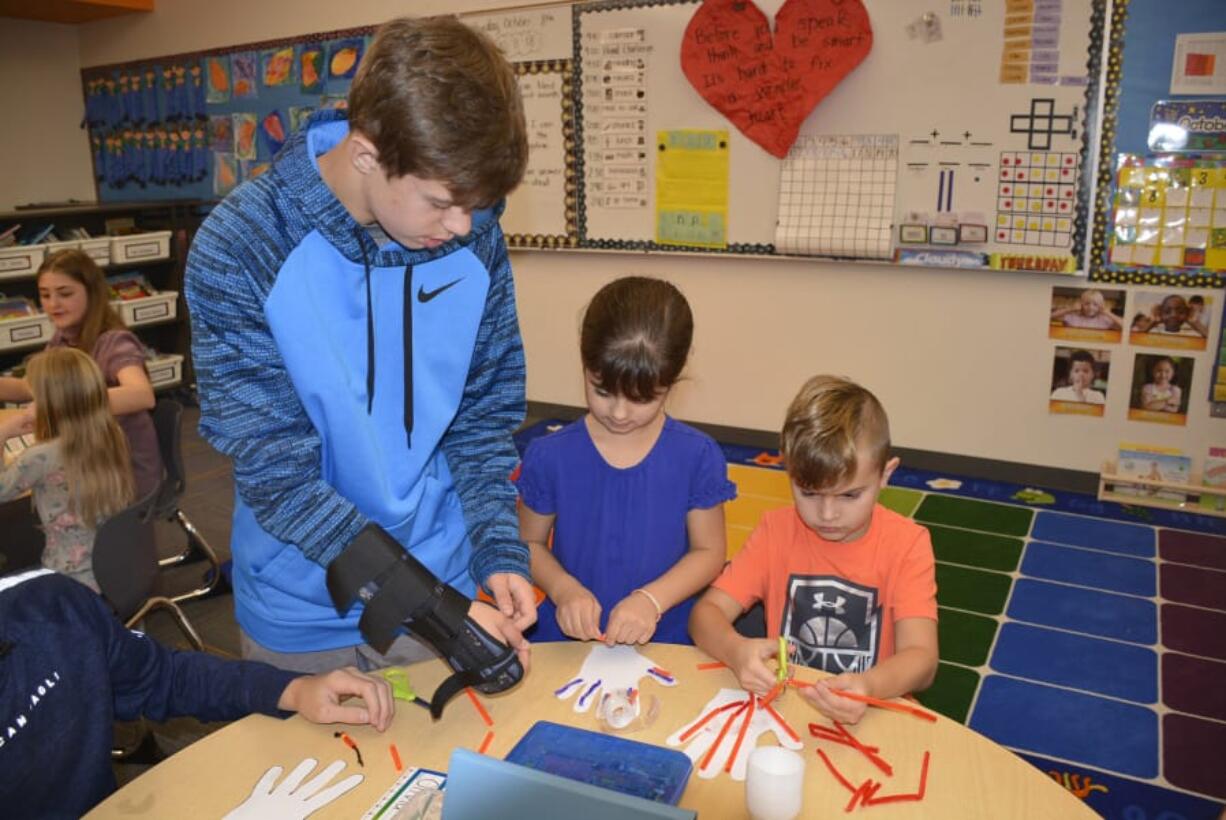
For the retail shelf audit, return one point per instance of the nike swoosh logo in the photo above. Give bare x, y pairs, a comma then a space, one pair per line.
424, 295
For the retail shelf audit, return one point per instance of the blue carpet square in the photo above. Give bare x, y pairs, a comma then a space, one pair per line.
1120, 670
1110, 536
1119, 737
1090, 569
1085, 610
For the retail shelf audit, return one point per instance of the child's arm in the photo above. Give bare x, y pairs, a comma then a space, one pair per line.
133, 393
910, 669
1196, 324
14, 423
713, 633
634, 618
578, 610
1151, 402
12, 389
1116, 322
1172, 403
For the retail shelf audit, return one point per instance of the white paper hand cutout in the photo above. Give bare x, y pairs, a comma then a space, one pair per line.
727, 730
608, 670
288, 800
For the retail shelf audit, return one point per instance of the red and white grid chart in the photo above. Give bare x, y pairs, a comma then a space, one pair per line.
836, 196
1036, 197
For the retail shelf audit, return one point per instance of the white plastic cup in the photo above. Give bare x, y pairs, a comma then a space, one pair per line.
775, 783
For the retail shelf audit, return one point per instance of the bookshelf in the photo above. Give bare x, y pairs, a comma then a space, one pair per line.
1198, 498
150, 238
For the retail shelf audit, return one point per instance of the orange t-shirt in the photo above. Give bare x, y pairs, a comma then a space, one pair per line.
838, 592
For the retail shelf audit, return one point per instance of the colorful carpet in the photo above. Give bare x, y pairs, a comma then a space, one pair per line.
1088, 637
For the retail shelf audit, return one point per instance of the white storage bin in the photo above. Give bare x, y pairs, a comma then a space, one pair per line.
165, 370
56, 247
21, 261
159, 307
140, 247
99, 249
25, 331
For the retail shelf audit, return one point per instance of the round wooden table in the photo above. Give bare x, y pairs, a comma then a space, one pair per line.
968, 775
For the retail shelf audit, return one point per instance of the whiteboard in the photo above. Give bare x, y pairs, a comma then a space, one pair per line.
959, 140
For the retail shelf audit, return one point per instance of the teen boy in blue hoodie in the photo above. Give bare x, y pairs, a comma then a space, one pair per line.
68, 670
357, 349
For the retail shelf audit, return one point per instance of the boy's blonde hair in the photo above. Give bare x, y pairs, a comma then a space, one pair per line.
827, 423
72, 406
439, 101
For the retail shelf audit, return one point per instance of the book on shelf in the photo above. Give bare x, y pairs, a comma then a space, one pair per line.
127, 286
1160, 464
15, 307
1214, 475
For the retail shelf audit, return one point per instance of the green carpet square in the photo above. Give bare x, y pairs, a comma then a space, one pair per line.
972, 589
952, 692
899, 500
965, 638
975, 549
975, 515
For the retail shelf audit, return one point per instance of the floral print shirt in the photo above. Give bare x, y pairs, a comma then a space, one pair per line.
70, 543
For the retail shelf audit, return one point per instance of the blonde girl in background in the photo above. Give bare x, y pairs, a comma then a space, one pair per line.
78, 470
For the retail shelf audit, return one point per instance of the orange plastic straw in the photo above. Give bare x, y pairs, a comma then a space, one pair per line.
886, 704
485, 744
690, 731
395, 757
775, 692
704, 667
480, 709
736, 747
706, 759
778, 717
837, 774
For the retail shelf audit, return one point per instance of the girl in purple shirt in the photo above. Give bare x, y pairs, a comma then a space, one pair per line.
633, 499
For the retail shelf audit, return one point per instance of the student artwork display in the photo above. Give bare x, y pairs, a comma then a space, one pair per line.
1160, 389
1087, 315
1079, 381
1172, 320
827, 153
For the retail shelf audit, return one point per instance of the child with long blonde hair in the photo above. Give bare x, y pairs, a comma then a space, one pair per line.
78, 470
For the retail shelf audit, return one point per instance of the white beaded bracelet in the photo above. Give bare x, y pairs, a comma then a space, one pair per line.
654, 602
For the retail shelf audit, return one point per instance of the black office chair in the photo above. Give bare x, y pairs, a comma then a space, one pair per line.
126, 569
167, 420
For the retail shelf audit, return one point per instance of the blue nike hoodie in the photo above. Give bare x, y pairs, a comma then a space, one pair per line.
352, 382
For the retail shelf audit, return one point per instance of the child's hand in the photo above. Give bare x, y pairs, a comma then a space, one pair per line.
578, 613
16, 423
633, 620
318, 698
831, 705
748, 663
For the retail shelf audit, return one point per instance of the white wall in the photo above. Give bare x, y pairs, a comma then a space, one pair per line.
960, 359
44, 155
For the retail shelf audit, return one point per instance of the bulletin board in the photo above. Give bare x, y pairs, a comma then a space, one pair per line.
943, 146
1180, 189
955, 134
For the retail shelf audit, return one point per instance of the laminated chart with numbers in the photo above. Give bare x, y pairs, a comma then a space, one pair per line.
615, 145
1169, 213
836, 196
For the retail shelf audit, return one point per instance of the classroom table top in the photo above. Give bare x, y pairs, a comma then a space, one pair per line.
968, 775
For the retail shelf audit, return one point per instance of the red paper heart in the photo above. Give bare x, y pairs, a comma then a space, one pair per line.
767, 86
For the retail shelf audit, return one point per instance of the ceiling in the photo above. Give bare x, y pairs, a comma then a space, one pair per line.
72, 11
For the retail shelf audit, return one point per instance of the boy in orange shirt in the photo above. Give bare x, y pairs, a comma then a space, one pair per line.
851, 583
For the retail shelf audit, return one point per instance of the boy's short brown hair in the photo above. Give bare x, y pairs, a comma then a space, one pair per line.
440, 102
826, 423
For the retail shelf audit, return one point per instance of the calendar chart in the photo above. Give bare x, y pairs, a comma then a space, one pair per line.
1169, 213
